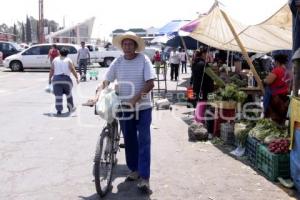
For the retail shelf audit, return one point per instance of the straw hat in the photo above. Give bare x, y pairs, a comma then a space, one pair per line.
117, 41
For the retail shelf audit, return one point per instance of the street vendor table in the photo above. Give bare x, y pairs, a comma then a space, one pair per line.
252, 90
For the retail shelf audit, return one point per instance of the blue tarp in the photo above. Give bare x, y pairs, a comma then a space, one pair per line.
171, 31
172, 27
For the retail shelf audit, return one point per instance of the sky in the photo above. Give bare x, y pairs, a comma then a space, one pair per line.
125, 14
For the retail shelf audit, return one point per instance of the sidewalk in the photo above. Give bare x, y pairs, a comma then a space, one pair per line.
187, 170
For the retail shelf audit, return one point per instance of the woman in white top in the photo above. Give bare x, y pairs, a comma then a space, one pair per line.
59, 75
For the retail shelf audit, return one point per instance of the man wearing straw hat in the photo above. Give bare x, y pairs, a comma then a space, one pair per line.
135, 76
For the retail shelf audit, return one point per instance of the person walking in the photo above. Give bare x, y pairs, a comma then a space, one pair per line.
174, 63
157, 61
135, 76
183, 60
53, 53
83, 58
59, 76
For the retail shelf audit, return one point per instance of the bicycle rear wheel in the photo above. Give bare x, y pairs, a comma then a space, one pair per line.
103, 164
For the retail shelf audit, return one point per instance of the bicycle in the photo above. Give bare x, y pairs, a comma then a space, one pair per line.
105, 155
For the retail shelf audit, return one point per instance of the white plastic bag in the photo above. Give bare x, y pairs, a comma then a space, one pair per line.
49, 88
107, 104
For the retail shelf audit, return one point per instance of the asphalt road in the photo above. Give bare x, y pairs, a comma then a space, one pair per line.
43, 156
47, 157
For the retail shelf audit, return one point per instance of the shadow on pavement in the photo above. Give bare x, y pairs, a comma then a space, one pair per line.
63, 115
126, 190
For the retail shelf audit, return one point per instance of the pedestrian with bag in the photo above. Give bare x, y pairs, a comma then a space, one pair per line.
59, 77
135, 76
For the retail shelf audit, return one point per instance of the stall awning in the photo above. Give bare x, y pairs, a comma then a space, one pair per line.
273, 34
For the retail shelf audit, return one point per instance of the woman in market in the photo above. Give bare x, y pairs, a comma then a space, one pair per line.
276, 98
202, 84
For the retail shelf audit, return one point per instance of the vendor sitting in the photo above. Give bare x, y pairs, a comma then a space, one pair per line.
276, 100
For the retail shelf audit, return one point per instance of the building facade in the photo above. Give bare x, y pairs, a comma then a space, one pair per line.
74, 34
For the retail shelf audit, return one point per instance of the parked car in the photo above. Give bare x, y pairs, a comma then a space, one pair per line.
107, 55
9, 48
36, 56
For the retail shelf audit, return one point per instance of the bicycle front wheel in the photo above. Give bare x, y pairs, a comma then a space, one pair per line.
103, 164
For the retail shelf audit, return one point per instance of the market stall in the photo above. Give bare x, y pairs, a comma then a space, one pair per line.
266, 143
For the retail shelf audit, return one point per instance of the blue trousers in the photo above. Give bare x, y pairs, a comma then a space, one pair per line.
62, 84
83, 66
137, 138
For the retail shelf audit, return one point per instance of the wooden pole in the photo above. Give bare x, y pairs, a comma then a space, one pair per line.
245, 54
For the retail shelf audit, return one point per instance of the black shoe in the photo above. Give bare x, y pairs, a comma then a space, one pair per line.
58, 113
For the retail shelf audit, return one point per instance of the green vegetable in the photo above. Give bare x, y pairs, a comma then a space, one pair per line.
242, 136
266, 127
231, 93
214, 77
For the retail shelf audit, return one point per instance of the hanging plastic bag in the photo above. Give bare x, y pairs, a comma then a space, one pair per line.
107, 104
49, 88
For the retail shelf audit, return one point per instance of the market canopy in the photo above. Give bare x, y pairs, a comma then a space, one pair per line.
273, 34
170, 35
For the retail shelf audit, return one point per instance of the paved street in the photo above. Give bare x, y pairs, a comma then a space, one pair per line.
51, 158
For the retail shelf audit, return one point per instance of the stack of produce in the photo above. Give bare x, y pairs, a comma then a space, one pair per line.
197, 132
235, 79
266, 131
279, 146
231, 92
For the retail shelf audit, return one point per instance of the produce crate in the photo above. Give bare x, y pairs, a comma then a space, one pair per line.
251, 149
273, 165
227, 133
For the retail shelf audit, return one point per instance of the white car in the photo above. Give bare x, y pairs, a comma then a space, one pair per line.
107, 55
36, 56
95, 56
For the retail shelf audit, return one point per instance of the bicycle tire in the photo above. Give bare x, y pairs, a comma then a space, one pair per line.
103, 164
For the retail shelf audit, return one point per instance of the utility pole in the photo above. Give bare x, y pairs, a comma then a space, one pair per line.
41, 22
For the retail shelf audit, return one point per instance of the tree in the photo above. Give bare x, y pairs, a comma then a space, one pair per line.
23, 33
28, 30
34, 29
15, 32
52, 25
4, 28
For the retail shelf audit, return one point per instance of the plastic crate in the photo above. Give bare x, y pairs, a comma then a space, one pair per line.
273, 165
227, 133
93, 74
251, 149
